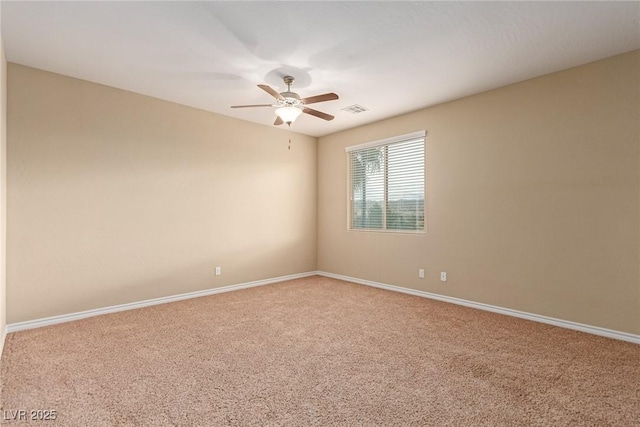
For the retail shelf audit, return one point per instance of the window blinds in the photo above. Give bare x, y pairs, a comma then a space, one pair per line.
387, 185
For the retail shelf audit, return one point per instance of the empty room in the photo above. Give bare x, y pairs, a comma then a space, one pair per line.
319, 213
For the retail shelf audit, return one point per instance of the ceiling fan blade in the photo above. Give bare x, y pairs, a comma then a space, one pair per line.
271, 92
278, 121
317, 113
320, 98
254, 105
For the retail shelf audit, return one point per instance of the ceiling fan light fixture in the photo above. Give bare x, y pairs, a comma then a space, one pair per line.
288, 114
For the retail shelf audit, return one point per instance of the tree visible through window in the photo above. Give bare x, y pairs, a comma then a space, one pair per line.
387, 184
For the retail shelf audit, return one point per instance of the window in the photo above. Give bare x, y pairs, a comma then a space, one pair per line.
386, 184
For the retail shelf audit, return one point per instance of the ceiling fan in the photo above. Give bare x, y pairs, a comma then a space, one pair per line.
289, 104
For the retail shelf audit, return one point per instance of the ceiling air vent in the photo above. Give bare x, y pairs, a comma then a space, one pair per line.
355, 109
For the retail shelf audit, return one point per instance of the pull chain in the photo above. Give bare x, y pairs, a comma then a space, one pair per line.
289, 124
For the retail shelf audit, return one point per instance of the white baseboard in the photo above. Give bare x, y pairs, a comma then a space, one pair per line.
4, 335
609, 333
54, 320
38, 323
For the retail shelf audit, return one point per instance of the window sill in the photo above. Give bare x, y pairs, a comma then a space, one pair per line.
403, 232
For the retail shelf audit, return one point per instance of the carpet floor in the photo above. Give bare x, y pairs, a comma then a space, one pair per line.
318, 352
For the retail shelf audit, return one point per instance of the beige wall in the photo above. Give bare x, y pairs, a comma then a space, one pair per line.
533, 198
114, 197
3, 190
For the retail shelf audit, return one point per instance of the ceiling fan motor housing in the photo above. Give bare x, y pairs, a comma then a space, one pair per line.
290, 95
290, 98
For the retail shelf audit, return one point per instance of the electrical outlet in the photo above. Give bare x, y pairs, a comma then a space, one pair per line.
421, 273
218, 271
443, 276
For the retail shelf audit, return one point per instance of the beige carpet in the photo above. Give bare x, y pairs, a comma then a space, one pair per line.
317, 352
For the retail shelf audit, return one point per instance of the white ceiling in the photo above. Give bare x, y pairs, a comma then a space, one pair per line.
390, 57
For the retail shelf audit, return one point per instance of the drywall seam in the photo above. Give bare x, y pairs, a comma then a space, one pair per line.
595, 330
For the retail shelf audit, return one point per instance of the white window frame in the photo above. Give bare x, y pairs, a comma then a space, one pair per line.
381, 143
